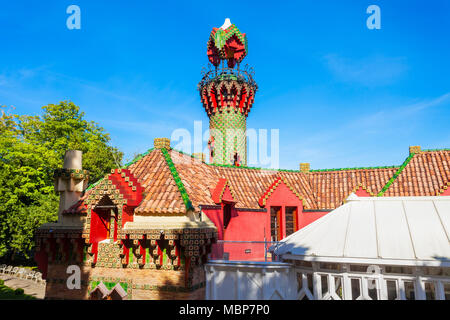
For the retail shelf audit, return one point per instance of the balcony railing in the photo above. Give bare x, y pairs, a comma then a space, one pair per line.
211, 73
243, 251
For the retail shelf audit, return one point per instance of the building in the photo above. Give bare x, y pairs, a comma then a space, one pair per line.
386, 248
151, 225
370, 248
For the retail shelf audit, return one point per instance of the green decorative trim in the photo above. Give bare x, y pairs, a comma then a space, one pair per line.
64, 173
176, 177
94, 184
356, 168
139, 157
287, 170
434, 150
168, 288
396, 174
250, 168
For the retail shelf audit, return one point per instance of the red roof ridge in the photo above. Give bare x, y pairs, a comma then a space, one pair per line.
273, 186
217, 192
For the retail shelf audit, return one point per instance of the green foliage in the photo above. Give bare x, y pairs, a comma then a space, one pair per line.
31, 148
6, 293
19, 291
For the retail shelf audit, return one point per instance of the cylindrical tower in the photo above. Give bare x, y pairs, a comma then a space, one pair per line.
227, 94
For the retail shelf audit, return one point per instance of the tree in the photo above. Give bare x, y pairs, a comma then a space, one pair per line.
31, 147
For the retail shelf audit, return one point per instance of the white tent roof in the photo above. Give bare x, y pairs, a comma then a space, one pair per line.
382, 230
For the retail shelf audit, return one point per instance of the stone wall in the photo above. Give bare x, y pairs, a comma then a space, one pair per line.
142, 284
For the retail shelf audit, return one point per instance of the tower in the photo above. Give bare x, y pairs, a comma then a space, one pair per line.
227, 94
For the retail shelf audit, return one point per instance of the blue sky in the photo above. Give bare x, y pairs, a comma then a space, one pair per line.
340, 94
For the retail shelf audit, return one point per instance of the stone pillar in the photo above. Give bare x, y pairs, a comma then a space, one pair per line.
200, 156
70, 181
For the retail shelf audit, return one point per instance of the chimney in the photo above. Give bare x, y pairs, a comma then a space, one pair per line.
199, 155
70, 181
161, 143
304, 167
414, 149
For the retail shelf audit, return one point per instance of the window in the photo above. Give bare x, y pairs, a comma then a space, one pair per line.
358, 268
356, 288
324, 283
398, 270
372, 289
275, 223
447, 290
303, 264
329, 266
338, 281
291, 217
409, 290
226, 215
391, 286
305, 292
430, 291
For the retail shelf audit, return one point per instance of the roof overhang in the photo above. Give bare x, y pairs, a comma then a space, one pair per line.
355, 260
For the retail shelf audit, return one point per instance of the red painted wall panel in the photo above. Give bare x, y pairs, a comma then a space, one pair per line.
283, 197
255, 225
309, 217
362, 193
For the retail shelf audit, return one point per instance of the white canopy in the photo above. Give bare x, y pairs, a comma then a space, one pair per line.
381, 230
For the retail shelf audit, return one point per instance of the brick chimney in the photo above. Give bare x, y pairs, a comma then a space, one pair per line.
160, 143
414, 149
199, 155
304, 167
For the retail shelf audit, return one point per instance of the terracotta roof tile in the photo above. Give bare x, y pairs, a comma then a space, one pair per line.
161, 194
331, 188
425, 174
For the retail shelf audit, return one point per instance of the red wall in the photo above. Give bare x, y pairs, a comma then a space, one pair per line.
309, 217
251, 225
362, 193
41, 259
98, 229
243, 226
283, 197
446, 192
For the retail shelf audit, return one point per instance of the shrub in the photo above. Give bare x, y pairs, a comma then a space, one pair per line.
2, 282
19, 291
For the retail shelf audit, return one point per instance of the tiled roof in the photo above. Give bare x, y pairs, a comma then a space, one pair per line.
425, 174
161, 193
250, 184
331, 188
173, 180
